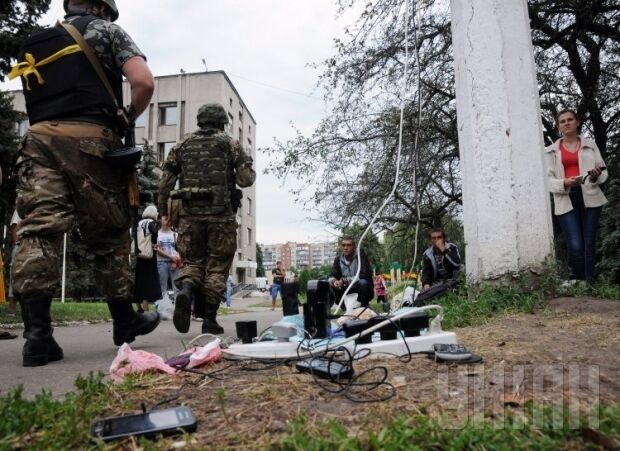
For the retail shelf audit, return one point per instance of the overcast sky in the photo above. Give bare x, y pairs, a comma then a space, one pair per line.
265, 47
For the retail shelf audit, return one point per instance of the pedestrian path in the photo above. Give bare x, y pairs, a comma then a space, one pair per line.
89, 348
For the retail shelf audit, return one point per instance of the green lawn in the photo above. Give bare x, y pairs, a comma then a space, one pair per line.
65, 312
45, 423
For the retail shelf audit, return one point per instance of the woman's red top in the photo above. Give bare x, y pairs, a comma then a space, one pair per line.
570, 160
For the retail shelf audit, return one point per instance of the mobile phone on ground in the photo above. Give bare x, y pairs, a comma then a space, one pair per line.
150, 424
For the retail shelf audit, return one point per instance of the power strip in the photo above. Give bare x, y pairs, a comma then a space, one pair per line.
274, 350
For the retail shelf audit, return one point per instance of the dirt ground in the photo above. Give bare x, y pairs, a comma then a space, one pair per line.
565, 354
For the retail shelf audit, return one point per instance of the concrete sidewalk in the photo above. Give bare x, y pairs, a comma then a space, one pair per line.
89, 348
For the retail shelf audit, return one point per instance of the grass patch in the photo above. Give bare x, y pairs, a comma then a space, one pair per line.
268, 304
423, 432
45, 423
65, 313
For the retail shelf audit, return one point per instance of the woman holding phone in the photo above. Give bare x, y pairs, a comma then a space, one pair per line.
575, 170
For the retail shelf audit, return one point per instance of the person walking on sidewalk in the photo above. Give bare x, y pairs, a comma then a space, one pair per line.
62, 174
208, 165
278, 279
229, 290
168, 259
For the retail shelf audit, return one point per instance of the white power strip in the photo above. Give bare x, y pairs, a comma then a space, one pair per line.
276, 350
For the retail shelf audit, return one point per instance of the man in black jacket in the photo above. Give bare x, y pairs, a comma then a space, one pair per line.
344, 269
442, 260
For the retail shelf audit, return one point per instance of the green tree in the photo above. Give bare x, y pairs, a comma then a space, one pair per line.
348, 161
260, 269
320, 272
17, 20
148, 176
303, 278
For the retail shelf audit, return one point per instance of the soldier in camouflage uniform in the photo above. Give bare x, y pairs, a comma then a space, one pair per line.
62, 174
208, 165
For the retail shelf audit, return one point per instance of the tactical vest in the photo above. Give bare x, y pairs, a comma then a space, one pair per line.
60, 83
206, 174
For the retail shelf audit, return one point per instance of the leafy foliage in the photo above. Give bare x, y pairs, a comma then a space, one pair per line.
348, 161
260, 269
148, 176
17, 20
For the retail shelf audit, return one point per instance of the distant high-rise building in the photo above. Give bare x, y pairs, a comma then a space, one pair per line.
298, 255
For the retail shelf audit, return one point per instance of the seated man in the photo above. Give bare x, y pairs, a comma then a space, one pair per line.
344, 269
442, 261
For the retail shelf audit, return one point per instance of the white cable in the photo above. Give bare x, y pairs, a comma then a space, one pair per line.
415, 142
398, 157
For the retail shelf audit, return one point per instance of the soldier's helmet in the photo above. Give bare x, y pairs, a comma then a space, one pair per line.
212, 113
110, 3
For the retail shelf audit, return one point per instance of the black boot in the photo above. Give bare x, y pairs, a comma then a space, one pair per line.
182, 317
209, 324
127, 324
40, 347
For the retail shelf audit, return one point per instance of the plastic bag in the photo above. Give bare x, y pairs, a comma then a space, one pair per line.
128, 361
165, 308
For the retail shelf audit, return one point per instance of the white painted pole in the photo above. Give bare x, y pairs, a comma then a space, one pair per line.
506, 210
64, 268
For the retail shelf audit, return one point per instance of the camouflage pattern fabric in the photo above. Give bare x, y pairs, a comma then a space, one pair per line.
183, 164
112, 45
207, 242
62, 178
208, 249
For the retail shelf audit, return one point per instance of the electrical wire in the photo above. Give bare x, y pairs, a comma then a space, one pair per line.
403, 97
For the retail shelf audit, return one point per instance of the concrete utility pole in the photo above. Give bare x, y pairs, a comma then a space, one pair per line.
506, 207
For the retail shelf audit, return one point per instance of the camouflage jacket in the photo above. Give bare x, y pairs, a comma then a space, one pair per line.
241, 172
112, 45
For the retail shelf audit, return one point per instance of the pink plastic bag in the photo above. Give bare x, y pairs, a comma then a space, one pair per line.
128, 361
197, 356
202, 355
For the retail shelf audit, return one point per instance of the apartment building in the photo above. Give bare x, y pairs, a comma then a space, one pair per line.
298, 255
172, 114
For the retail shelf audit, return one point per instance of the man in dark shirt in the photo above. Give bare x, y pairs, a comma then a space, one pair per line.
442, 260
344, 269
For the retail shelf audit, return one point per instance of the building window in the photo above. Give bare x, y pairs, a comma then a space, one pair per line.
240, 135
229, 126
249, 129
168, 114
230, 102
249, 236
249, 207
141, 120
163, 149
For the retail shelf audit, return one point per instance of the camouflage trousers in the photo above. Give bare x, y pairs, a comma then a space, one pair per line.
63, 180
207, 249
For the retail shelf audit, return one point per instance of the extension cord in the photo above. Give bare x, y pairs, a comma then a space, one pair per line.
273, 350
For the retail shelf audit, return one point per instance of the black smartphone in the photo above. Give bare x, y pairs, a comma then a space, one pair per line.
165, 422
